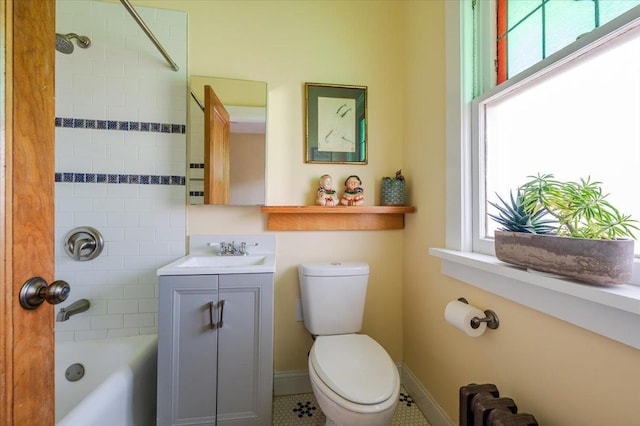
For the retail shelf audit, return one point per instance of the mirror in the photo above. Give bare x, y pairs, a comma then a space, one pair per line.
246, 103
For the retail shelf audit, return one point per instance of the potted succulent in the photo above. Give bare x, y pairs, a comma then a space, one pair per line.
393, 190
566, 228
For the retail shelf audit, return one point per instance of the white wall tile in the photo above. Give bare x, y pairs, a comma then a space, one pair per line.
103, 294
124, 306
89, 190
64, 336
80, 335
123, 332
149, 277
85, 152
141, 292
139, 320
86, 109
115, 165
108, 263
120, 77
113, 233
148, 305
64, 205
90, 278
125, 219
94, 219
99, 322
156, 248
123, 191
123, 248
75, 322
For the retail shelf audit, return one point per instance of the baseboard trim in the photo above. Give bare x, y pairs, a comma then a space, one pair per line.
291, 382
431, 410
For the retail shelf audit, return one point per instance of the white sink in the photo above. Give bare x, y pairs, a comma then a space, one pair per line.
220, 261
203, 264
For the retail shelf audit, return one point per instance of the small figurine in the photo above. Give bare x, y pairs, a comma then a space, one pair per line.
327, 196
353, 193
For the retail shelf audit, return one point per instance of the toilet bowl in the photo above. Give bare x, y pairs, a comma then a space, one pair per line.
353, 378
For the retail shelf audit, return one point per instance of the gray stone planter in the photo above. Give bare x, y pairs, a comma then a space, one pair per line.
589, 260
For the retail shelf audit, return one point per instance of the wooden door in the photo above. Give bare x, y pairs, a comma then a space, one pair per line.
216, 149
26, 209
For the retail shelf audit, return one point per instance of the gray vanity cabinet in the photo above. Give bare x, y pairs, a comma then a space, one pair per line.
215, 349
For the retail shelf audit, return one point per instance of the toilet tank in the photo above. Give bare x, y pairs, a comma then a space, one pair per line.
333, 296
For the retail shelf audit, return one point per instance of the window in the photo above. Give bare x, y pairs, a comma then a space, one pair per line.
573, 114
529, 31
611, 312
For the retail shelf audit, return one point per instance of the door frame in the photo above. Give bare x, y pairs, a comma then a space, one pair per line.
27, 153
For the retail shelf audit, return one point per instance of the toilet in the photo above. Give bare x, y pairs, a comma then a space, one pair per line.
353, 378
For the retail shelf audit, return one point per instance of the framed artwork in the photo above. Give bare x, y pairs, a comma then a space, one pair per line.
336, 124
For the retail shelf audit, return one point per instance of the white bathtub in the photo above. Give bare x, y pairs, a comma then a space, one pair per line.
118, 387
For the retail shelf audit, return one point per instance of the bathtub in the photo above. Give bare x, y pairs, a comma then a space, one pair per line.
118, 386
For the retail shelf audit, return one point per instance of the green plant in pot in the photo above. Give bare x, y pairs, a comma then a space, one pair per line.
566, 228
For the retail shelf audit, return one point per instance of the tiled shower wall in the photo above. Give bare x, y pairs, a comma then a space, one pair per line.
120, 162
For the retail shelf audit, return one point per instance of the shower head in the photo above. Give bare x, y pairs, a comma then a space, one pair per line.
65, 45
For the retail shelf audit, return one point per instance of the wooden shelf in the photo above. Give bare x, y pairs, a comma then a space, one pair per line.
339, 218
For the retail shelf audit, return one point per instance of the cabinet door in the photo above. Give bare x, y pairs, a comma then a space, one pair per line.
245, 350
187, 350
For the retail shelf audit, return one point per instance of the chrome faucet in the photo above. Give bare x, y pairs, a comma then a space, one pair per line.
231, 249
76, 307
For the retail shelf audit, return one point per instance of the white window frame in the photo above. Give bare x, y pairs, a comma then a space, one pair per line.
613, 311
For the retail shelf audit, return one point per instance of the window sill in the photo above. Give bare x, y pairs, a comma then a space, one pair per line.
612, 311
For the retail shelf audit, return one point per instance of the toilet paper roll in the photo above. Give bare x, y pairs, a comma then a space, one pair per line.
460, 314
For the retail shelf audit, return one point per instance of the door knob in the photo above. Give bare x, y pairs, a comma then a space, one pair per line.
35, 291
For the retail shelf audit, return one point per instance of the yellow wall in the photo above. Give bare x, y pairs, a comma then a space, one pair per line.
288, 43
561, 373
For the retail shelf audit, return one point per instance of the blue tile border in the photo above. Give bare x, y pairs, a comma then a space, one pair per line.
68, 177
130, 126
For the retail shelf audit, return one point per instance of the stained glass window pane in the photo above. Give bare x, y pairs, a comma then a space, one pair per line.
529, 34
560, 31
610, 9
539, 28
518, 10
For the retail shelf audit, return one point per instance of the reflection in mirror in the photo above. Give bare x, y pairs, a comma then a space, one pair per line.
246, 102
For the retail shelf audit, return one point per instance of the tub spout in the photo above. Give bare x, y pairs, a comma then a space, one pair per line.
76, 307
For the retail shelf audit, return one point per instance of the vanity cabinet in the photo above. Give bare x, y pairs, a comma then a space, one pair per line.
215, 349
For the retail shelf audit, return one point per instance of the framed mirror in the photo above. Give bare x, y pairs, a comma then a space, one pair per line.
239, 167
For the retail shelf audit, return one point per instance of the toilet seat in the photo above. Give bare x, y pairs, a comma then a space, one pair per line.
355, 367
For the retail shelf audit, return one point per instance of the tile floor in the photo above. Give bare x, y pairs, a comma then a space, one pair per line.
302, 409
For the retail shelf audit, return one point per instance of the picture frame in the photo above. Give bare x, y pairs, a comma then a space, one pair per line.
336, 124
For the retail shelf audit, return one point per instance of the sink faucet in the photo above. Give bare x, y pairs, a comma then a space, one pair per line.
76, 307
230, 249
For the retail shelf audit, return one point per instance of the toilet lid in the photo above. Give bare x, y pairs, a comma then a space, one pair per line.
355, 367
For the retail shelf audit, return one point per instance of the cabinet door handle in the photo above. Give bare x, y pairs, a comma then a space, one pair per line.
221, 303
212, 324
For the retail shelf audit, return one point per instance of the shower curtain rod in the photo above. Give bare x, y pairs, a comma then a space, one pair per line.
148, 32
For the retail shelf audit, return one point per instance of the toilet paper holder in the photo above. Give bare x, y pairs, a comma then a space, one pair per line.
491, 317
